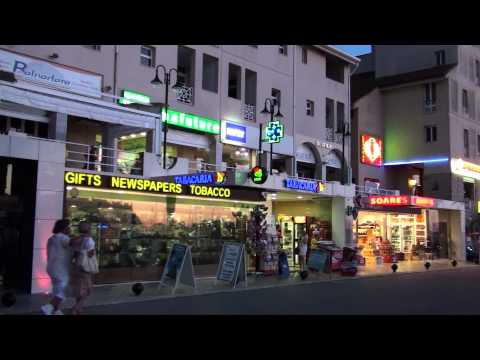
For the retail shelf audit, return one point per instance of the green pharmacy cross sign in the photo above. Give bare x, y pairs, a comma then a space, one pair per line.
274, 132
192, 122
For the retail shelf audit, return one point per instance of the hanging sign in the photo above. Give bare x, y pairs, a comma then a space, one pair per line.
372, 149
274, 132
133, 97
305, 185
178, 269
258, 175
232, 266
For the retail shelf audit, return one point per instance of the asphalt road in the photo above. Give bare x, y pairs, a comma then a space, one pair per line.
450, 292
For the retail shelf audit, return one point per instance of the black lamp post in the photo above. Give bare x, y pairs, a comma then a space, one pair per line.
344, 129
166, 80
270, 109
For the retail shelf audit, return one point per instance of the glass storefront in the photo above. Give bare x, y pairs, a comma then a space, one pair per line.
134, 232
238, 157
389, 236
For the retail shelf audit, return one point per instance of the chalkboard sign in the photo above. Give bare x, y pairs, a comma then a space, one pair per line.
178, 268
318, 260
232, 264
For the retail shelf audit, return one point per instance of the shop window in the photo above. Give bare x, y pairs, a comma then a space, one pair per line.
234, 81
147, 55
186, 66
237, 157
210, 73
280, 163
187, 152
135, 232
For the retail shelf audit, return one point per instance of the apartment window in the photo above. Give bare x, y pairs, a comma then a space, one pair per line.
478, 144
147, 55
466, 143
282, 49
310, 108
93, 47
304, 55
329, 113
340, 116
234, 81
430, 134
277, 96
250, 87
186, 66
335, 69
440, 57
465, 101
210, 73
477, 72
430, 97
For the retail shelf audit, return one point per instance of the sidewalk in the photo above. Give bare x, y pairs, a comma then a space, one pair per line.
121, 293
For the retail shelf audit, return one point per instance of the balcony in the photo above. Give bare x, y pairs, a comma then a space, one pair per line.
184, 94
249, 112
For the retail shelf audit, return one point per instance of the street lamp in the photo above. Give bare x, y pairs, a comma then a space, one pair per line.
156, 81
345, 131
270, 109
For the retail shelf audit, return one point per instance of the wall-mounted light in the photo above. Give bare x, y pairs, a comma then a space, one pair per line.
412, 182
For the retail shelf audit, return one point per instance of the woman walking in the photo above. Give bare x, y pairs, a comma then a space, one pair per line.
58, 265
81, 280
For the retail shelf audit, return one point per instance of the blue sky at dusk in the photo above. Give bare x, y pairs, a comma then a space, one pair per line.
355, 49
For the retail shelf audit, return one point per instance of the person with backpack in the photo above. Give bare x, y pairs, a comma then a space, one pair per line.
58, 265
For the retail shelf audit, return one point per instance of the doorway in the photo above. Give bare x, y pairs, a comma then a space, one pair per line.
18, 184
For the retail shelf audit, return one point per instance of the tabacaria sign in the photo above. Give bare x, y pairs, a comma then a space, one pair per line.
305, 185
55, 75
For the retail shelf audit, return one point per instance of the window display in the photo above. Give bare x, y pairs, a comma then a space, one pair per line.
135, 232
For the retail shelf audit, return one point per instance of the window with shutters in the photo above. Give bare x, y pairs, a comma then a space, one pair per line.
465, 101
454, 95
430, 134
430, 97
466, 145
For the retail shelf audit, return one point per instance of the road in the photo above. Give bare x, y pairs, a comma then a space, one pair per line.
449, 292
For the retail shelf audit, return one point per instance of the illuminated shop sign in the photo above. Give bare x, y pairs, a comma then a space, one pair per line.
234, 133
372, 149
465, 168
144, 185
192, 122
133, 97
258, 175
216, 178
305, 185
274, 132
401, 200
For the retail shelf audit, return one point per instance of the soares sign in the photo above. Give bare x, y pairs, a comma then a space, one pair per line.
401, 200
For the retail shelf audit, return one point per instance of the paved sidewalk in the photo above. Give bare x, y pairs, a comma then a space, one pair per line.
121, 293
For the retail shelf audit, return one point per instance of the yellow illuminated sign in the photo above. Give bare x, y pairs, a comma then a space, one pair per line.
465, 168
123, 183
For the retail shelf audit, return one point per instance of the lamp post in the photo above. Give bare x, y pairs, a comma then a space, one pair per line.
156, 81
345, 131
270, 109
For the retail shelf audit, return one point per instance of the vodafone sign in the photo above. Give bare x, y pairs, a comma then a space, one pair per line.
372, 150
401, 200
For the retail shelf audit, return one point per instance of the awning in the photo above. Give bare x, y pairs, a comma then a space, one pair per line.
62, 102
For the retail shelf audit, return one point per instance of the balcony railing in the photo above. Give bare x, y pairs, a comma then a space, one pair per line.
185, 94
249, 112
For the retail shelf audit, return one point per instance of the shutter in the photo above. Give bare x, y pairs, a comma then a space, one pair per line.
454, 95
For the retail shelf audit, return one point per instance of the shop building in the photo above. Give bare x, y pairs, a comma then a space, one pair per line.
100, 122
408, 127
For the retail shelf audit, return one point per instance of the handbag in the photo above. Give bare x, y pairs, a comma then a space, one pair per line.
88, 264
